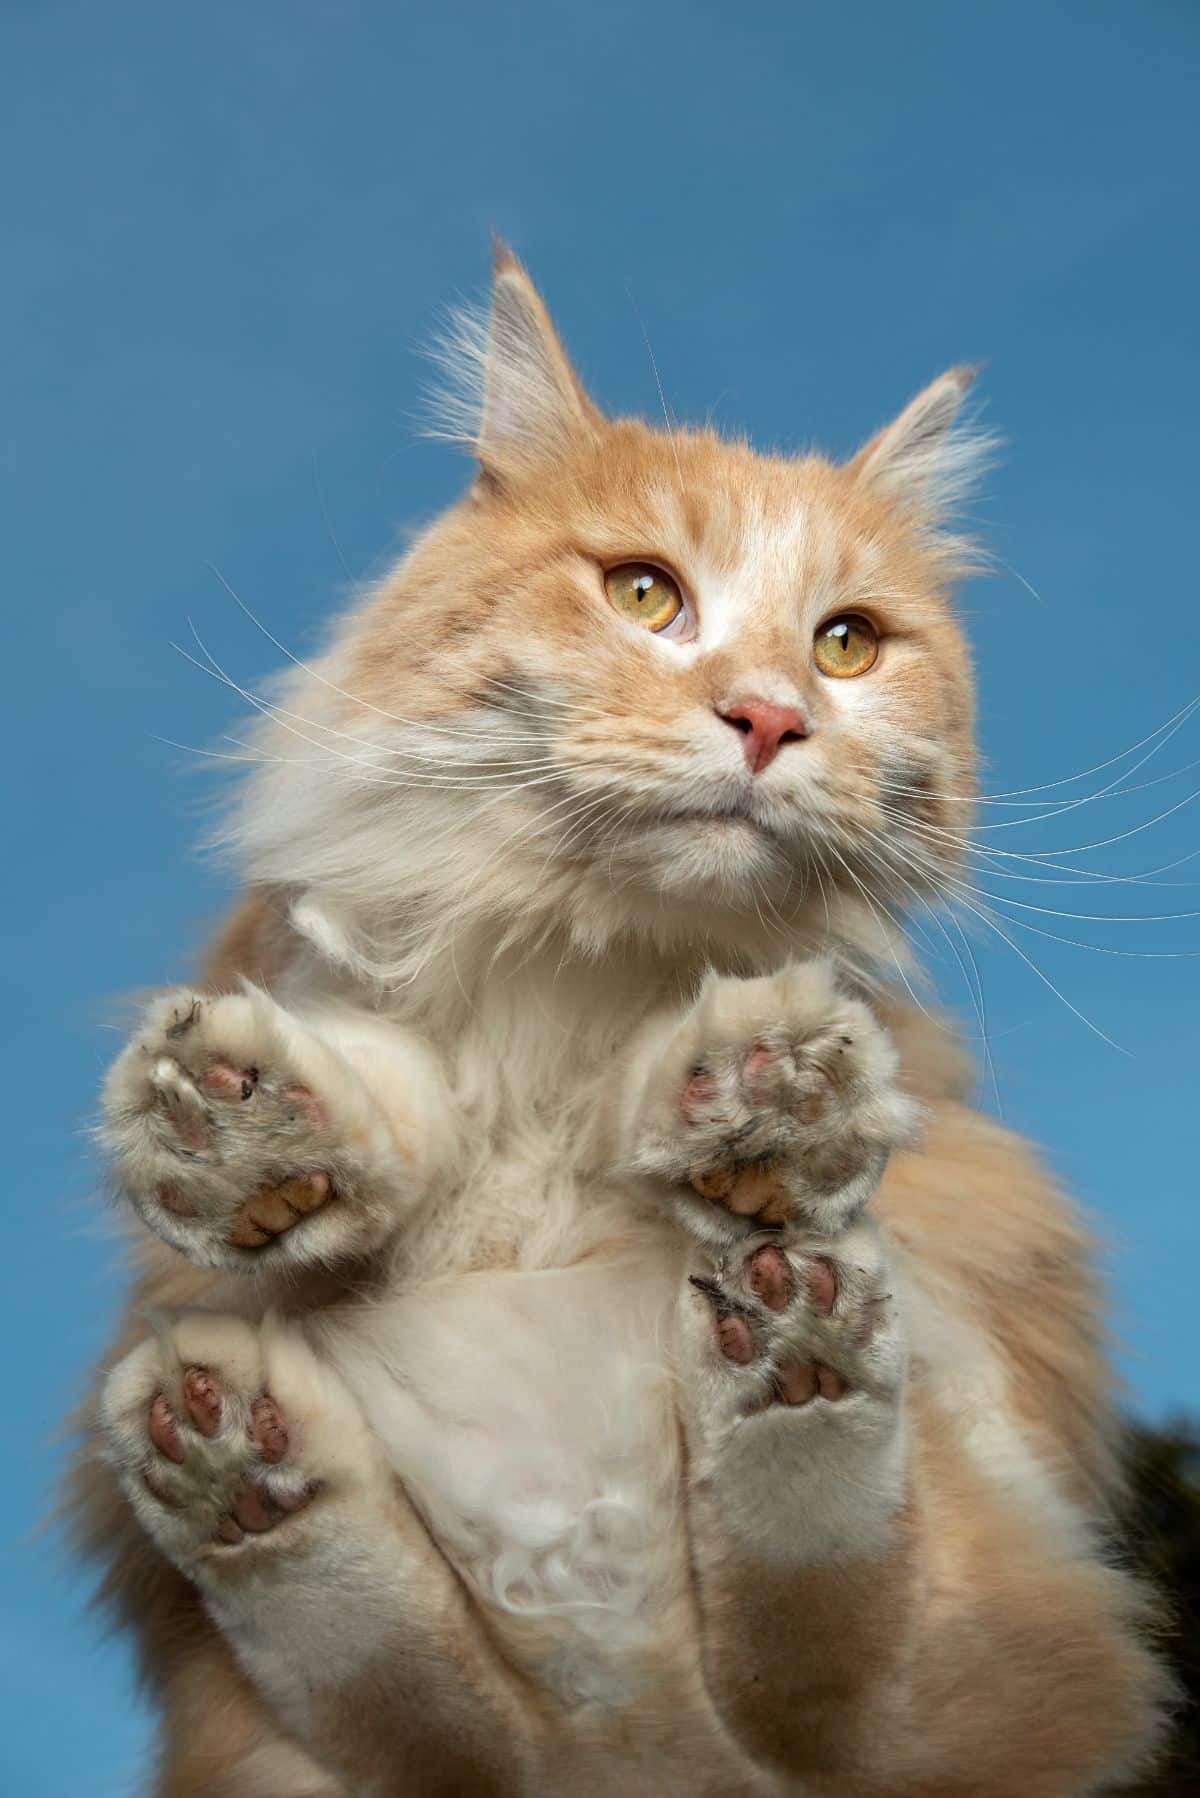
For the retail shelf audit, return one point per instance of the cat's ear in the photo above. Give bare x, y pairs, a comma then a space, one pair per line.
929, 459
529, 405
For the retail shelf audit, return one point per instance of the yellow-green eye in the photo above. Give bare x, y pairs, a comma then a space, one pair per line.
647, 595
846, 646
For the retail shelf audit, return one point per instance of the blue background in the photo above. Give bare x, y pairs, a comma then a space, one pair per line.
230, 229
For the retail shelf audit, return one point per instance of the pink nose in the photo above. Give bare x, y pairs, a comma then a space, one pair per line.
765, 727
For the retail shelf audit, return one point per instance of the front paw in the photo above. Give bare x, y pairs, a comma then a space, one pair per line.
241, 1138
774, 1102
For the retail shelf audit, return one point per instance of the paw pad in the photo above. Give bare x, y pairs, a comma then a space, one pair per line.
775, 1103
220, 1137
226, 1082
274, 1209
163, 1431
202, 1396
798, 1320
735, 1339
799, 1382
770, 1277
755, 1191
257, 1501
268, 1429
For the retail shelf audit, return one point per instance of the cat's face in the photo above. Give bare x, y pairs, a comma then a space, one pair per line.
666, 667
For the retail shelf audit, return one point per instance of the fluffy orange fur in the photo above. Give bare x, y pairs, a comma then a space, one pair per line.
507, 839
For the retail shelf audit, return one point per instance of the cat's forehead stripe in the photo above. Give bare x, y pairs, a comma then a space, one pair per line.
776, 568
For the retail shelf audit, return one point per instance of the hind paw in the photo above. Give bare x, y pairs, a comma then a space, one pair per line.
795, 1394
796, 1321
223, 1435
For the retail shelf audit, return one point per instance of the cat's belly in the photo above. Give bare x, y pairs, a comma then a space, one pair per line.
531, 1418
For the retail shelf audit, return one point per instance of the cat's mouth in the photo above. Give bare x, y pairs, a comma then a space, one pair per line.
733, 811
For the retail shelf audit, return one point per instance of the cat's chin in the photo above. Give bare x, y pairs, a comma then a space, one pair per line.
731, 818
705, 854
722, 816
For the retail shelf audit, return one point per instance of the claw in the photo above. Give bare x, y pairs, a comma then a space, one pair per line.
181, 1024
182, 1102
224, 1081
727, 1303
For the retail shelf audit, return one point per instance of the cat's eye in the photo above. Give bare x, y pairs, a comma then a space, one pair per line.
647, 595
846, 646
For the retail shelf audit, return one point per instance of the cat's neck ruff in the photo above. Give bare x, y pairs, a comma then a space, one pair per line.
448, 972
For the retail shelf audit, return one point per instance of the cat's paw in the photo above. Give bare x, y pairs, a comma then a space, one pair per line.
241, 1138
796, 1319
796, 1358
773, 1102
225, 1436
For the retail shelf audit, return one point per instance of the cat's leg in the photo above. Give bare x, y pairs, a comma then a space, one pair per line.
793, 1360
218, 1739
246, 1136
883, 1589
878, 1604
771, 1101
253, 1471
766, 1114
796, 1355
769, 1110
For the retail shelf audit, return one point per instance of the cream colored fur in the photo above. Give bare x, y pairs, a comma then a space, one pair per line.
534, 984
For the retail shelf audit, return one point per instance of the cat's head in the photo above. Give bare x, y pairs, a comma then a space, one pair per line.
638, 679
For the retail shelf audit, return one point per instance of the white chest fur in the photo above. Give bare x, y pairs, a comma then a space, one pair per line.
530, 1416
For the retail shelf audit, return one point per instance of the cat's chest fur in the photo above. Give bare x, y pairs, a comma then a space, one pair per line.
530, 1416
519, 1370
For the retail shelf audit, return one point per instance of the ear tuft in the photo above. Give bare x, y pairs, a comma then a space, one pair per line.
504, 259
511, 391
930, 459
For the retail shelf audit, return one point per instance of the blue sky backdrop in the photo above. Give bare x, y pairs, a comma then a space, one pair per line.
231, 227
